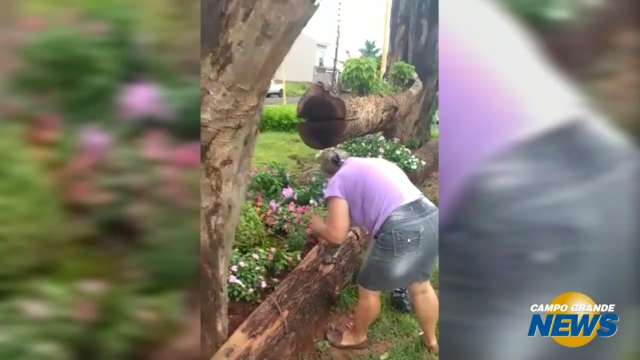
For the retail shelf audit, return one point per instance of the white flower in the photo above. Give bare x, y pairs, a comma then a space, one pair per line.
250, 291
235, 280
234, 268
255, 256
242, 264
263, 284
312, 202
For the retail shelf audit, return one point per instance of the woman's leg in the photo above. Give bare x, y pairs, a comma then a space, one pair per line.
425, 303
367, 311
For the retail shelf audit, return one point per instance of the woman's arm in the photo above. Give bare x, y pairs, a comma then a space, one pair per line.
334, 230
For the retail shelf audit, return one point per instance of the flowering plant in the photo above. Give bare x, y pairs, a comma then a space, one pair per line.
375, 145
253, 273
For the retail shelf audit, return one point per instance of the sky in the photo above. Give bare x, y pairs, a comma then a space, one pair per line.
360, 20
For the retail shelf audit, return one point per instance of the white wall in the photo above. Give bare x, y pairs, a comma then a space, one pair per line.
299, 62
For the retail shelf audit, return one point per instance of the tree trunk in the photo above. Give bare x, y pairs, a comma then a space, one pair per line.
244, 43
330, 120
278, 327
414, 39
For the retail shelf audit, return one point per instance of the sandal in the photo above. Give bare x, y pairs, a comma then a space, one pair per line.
335, 339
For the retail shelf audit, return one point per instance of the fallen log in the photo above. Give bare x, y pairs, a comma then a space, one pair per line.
330, 119
286, 319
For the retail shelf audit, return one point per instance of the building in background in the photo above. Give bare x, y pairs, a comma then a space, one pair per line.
305, 56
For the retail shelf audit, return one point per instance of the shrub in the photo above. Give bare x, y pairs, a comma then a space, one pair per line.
360, 76
376, 145
401, 75
269, 184
279, 118
251, 231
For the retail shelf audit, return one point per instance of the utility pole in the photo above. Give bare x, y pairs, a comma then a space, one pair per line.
385, 40
334, 75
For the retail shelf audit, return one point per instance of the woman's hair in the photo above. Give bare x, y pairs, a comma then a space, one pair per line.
331, 160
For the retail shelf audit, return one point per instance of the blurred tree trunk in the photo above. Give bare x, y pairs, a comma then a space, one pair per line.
243, 43
414, 40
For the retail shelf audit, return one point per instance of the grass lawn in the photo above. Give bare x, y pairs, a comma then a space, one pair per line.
286, 148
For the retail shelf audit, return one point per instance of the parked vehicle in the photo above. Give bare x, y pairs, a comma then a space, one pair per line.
276, 88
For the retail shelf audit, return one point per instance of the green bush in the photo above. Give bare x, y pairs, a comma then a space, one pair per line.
401, 75
279, 118
269, 183
376, 145
251, 231
360, 76
32, 233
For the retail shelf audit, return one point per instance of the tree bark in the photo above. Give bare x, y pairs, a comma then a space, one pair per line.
330, 120
277, 328
414, 39
244, 43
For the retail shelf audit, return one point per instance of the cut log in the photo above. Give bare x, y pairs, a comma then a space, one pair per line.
330, 120
287, 318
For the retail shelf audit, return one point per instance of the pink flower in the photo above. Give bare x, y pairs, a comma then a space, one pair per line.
288, 193
263, 284
95, 141
143, 99
187, 156
273, 206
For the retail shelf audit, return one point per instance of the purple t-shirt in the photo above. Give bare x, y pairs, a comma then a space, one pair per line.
374, 188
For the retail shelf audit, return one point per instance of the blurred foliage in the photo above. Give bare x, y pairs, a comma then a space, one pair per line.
279, 118
79, 72
546, 13
100, 227
31, 229
185, 101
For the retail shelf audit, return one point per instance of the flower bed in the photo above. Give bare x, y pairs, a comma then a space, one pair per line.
272, 235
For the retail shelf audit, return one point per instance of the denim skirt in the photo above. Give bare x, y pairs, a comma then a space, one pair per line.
404, 249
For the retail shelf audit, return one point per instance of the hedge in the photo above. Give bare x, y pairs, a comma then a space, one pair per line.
279, 118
